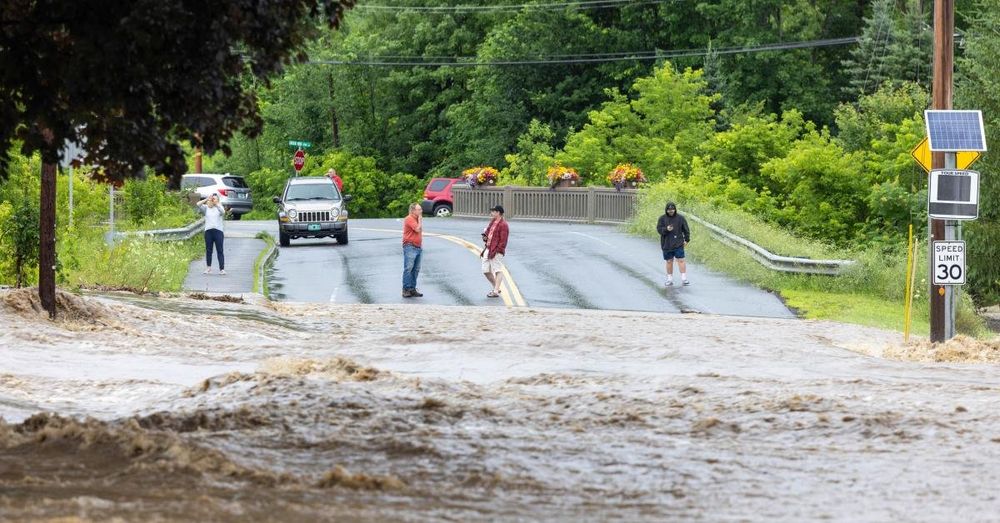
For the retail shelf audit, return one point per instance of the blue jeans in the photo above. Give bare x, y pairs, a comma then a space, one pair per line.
214, 237
411, 265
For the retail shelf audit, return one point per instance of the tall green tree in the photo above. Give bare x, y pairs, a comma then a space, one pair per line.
659, 125
895, 47
808, 79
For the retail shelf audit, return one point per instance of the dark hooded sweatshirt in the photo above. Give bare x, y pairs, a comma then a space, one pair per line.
678, 235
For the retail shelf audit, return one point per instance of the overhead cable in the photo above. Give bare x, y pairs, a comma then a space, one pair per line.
472, 61
585, 4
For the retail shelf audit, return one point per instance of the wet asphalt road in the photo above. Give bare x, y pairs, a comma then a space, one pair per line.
552, 264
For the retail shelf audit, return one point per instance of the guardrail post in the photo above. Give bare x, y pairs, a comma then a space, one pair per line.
591, 204
508, 201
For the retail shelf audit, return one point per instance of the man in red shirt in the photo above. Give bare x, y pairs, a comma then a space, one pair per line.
413, 233
332, 174
495, 239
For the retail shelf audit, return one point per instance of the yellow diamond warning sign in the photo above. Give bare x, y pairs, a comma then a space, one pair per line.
922, 154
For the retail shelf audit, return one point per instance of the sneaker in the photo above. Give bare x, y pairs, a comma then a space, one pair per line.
208, 271
407, 293
669, 283
687, 282
415, 293
223, 271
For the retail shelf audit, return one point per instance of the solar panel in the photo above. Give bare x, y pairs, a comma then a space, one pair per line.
953, 131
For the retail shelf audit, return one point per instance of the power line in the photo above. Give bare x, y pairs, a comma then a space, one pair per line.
586, 4
471, 61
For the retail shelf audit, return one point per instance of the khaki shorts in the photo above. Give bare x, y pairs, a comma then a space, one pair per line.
492, 266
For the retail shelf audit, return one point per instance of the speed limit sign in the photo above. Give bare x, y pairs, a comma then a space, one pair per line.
949, 263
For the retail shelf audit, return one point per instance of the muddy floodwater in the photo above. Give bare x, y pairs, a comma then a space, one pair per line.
176, 409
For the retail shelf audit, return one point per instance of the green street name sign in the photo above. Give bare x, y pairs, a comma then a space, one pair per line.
299, 143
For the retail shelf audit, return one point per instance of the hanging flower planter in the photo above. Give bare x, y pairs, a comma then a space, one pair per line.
560, 176
481, 175
626, 176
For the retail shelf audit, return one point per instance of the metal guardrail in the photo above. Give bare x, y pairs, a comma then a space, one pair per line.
774, 261
574, 204
607, 205
182, 233
268, 258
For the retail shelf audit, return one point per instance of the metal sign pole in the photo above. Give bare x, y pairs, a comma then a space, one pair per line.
111, 214
70, 196
950, 227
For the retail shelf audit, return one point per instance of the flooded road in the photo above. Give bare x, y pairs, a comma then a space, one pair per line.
179, 409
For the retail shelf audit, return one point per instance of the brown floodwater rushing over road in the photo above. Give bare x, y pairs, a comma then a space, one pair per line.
170, 409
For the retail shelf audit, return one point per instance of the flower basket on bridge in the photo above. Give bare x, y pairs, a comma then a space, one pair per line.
481, 175
626, 176
560, 176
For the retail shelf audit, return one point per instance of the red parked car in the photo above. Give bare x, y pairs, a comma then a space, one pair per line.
437, 196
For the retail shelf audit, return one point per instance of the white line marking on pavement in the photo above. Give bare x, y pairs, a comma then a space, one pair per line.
609, 244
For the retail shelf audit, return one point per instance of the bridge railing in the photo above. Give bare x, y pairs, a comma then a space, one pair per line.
576, 204
608, 205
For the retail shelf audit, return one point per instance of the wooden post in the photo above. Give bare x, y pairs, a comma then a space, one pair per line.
944, 53
47, 239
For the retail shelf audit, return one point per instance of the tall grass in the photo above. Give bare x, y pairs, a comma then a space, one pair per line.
137, 264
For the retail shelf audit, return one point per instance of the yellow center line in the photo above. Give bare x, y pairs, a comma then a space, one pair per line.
510, 294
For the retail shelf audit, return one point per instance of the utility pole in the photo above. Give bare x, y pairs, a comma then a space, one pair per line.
942, 296
197, 159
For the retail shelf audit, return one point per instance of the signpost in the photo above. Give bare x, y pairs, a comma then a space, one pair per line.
300, 144
949, 263
70, 153
299, 160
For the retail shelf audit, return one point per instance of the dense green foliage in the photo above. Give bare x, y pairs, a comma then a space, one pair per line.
439, 119
978, 86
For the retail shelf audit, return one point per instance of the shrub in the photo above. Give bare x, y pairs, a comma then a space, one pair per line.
19, 237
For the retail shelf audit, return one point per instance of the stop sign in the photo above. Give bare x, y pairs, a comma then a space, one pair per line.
300, 160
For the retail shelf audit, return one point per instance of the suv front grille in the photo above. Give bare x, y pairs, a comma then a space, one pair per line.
313, 216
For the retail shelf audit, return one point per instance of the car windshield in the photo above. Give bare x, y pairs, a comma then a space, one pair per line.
312, 191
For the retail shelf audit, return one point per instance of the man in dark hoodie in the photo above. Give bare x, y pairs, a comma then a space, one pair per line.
674, 236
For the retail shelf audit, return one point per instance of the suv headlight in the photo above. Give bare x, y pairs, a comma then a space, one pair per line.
292, 213
335, 212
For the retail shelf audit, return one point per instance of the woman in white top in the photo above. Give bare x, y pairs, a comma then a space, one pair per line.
214, 215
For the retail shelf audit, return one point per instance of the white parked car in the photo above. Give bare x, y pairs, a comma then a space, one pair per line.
233, 191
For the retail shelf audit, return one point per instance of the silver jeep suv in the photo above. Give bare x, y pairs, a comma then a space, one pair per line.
311, 207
